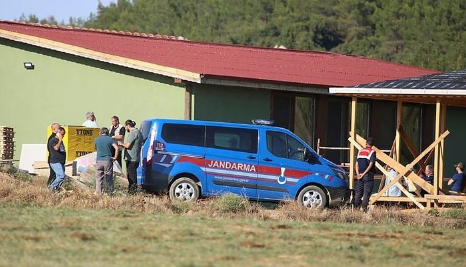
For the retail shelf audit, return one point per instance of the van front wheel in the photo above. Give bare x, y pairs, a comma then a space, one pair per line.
184, 189
312, 197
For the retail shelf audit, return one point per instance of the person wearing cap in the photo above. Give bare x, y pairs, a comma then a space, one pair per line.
90, 121
458, 181
365, 170
104, 161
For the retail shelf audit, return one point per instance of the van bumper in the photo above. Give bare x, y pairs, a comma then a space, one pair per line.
338, 196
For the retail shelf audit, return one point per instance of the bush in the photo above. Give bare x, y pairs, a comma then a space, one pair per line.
16, 173
455, 214
231, 203
179, 206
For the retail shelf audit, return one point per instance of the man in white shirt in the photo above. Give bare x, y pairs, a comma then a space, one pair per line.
90, 122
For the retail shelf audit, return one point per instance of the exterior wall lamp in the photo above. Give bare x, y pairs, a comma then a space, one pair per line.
28, 65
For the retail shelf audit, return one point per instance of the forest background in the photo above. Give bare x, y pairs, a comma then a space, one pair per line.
428, 33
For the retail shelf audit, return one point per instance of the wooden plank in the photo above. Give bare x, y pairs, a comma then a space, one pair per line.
382, 182
400, 199
446, 197
352, 133
442, 145
408, 194
382, 169
403, 170
87, 53
437, 149
399, 109
411, 147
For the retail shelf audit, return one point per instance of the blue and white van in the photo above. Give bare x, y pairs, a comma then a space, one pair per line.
193, 159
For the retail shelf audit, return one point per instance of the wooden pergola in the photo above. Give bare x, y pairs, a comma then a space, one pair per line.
442, 90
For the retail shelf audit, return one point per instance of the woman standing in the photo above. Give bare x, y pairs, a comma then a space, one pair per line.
132, 151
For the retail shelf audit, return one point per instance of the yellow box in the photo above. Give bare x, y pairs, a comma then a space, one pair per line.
78, 140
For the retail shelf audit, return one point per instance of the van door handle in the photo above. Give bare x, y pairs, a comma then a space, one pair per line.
250, 157
267, 159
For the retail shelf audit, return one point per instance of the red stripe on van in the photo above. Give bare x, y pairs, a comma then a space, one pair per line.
198, 161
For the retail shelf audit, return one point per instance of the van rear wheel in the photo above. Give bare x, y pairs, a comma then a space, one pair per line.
184, 189
312, 197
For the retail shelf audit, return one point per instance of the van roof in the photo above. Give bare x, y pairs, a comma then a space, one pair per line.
212, 123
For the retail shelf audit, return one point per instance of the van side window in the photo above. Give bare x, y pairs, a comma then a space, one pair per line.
284, 146
183, 134
236, 139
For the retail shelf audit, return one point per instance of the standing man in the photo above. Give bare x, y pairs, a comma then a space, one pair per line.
365, 170
90, 120
57, 158
458, 180
117, 133
104, 162
52, 175
132, 147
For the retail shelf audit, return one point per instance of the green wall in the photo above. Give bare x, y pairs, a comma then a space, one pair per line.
63, 87
455, 142
230, 104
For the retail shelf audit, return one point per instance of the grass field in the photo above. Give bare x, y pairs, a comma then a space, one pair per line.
76, 228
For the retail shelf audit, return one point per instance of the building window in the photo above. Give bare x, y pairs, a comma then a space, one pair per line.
295, 113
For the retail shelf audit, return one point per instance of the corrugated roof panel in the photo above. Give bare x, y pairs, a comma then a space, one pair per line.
455, 80
227, 61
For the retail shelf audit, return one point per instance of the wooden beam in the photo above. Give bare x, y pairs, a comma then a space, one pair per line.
382, 181
87, 53
352, 133
399, 110
402, 170
400, 199
408, 194
443, 120
381, 168
437, 148
410, 146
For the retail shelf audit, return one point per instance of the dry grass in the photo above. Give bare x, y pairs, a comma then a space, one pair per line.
19, 188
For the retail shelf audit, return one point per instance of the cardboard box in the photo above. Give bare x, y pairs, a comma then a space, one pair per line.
78, 140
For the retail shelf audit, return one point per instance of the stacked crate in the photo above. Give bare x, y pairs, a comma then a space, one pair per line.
7, 145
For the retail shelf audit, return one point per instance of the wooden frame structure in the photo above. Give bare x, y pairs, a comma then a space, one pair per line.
436, 195
441, 90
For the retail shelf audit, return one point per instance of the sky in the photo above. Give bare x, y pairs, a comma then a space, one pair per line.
62, 10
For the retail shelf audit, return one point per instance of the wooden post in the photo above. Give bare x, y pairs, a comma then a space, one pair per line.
354, 102
437, 147
188, 101
443, 121
399, 109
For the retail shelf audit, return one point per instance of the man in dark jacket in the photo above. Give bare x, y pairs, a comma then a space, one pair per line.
57, 158
52, 175
365, 170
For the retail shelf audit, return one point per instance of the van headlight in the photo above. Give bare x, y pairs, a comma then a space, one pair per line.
340, 173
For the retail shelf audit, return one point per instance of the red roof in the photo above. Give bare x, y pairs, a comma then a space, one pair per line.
226, 61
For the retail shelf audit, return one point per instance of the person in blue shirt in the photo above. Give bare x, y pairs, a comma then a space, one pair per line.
104, 161
458, 181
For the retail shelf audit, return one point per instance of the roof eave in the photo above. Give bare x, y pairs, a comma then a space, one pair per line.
397, 91
261, 84
91, 54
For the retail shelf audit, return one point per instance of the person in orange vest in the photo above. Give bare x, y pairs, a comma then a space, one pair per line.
365, 170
